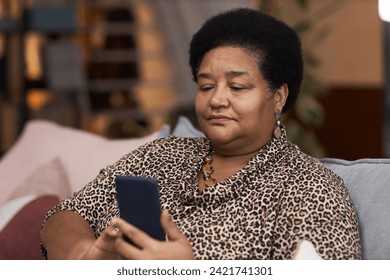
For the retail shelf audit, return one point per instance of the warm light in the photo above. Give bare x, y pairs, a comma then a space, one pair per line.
37, 99
384, 9
33, 42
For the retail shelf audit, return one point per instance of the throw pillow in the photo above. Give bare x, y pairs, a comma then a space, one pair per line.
21, 220
50, 178
83, 154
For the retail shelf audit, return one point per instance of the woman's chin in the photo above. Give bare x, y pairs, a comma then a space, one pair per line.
218, 139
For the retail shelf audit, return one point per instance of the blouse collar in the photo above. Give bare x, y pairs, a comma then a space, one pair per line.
267, 157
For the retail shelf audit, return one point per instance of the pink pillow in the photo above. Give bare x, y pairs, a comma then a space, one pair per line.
50, 178
82, 154
20, 237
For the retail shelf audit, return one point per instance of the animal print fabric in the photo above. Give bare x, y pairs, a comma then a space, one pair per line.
280, 197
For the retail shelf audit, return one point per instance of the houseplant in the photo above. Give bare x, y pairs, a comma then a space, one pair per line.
308, 113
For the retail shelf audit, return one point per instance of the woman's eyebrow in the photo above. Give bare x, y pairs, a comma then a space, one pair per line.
204, 75
229, 74
236, 73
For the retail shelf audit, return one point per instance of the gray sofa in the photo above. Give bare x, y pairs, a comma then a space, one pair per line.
368, 183
54, 161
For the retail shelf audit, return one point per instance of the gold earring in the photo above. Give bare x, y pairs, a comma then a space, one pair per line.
277, 131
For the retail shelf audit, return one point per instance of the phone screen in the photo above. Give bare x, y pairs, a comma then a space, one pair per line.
139, 204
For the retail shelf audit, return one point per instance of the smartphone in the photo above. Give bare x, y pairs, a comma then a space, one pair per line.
139, 204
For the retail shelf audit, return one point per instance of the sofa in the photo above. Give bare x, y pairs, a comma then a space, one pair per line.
49, 162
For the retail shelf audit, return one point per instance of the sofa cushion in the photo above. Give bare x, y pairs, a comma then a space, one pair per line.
20, 226
185, 128
82, 154
368, 183
49, 178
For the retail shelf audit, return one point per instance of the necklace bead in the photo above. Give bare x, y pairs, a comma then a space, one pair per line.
207, 170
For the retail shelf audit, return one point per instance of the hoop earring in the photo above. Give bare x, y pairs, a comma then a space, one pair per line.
277, 131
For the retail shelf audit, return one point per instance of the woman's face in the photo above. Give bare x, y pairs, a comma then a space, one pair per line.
235, 109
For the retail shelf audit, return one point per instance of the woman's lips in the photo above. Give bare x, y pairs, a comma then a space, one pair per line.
218, 119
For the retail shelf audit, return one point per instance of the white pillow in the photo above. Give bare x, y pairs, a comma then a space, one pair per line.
306, 251
9, 209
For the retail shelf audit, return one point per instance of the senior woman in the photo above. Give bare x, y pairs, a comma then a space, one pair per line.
242, 192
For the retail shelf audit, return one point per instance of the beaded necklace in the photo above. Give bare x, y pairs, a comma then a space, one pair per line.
207, 170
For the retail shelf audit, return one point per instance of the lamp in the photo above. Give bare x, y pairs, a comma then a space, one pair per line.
384, 9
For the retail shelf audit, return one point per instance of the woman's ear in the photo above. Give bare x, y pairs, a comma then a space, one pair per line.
280, 97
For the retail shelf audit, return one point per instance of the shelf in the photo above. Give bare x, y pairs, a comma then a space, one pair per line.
122, 55
8, 25
104, 85
107, 76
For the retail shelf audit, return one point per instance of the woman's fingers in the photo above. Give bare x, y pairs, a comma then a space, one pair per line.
146, 247
178, 246
110, 232
128, 250
103, 247
170, 227
131, 232
139, 240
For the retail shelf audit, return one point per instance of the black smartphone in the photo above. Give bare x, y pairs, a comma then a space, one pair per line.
139, 204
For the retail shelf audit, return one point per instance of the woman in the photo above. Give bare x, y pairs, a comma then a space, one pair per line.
244, 191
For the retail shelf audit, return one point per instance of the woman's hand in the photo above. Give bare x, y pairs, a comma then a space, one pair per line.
67, 236
177, 246
104, 246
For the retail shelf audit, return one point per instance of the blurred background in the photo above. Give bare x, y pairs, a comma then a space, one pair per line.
119, 68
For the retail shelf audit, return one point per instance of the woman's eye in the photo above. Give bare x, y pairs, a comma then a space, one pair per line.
205, 88
237, 88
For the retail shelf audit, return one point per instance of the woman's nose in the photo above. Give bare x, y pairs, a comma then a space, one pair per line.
219, 98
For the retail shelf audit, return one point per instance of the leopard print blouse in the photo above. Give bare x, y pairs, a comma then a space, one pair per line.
280, 197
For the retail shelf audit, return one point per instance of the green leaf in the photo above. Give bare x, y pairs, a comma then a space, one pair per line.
304, 138
310, 60
312, 86
321, 35
304, 4
310, 111
263, 5
294, 130
302, 26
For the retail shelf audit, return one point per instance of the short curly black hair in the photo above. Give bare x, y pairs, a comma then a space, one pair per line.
274, 43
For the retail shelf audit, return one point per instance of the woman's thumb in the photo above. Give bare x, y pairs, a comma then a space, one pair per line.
170, 227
